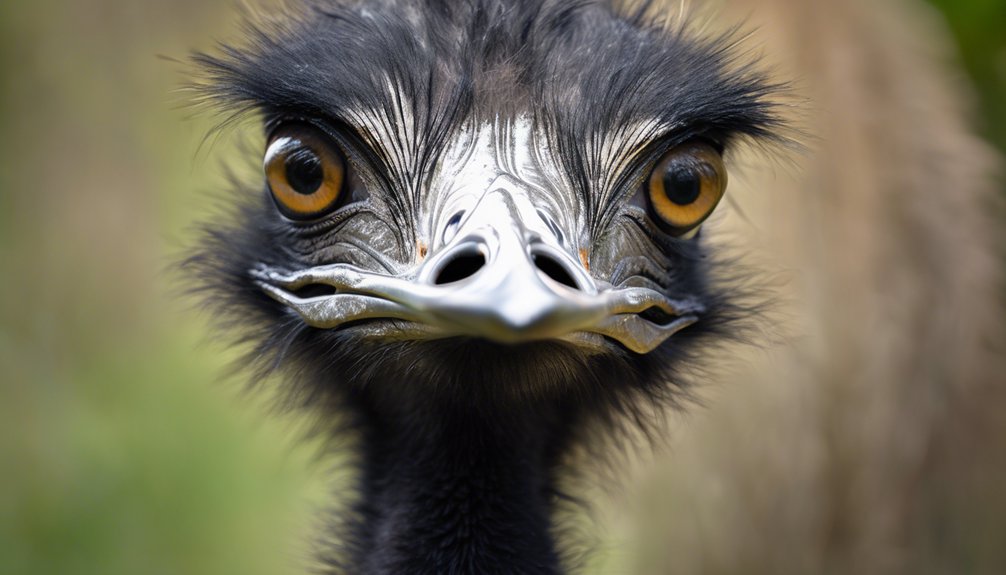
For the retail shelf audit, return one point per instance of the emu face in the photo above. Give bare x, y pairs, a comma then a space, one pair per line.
502, 242
493, 189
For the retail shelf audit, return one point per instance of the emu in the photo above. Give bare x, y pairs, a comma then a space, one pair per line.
478, 241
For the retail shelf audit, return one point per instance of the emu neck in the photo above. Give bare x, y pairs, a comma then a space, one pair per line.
449, 490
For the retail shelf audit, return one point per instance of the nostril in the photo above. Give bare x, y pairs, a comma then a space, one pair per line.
461, 265
554, 270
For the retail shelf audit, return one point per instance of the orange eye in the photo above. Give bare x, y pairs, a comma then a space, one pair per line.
686, 185
305, 171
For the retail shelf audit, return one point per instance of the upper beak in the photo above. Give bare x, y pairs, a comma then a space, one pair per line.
496, 278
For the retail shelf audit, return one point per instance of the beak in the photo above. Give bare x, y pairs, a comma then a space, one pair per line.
502, 276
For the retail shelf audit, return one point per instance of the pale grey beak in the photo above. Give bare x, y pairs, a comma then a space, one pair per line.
502, 275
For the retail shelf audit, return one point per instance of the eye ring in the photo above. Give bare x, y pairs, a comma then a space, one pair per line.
305, 171
685, 186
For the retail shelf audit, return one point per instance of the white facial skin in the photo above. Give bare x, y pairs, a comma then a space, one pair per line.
516, 154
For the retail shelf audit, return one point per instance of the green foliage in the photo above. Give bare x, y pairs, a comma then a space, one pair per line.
977, 26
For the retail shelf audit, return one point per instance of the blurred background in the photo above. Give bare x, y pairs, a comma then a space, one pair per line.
124, 446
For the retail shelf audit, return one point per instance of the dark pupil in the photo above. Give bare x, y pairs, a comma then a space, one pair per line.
682, 185
304, 172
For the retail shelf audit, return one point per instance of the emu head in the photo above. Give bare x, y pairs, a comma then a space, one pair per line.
478, 228
480, 201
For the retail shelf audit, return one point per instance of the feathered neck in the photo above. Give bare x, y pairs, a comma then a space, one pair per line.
450, 489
